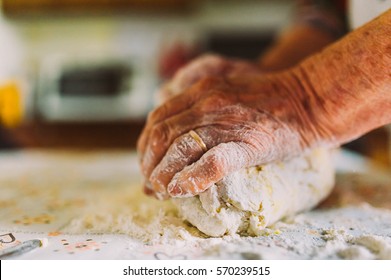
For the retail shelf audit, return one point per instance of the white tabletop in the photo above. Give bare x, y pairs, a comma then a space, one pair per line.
89, 205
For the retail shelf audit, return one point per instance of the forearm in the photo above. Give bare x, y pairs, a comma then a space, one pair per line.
348, 86
293, 46
314, 28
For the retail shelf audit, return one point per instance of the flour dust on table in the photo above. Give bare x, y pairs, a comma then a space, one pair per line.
89, 205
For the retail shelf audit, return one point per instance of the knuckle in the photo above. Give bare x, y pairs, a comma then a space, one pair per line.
204, 62
198, 70
213, 58
211, 64
160, 133
208, 82
157, 114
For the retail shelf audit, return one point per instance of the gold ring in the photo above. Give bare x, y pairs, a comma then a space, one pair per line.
198, 139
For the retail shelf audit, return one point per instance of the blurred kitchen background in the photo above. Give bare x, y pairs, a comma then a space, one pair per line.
83, 73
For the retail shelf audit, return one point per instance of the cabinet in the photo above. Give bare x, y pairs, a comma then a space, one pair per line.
23, 7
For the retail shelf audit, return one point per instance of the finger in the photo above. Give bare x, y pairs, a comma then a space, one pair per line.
185, 150
202, 115
170, 108
175, 106
162, 136
218, 162
148, 190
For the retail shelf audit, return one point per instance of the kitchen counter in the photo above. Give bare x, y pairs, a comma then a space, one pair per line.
89, 205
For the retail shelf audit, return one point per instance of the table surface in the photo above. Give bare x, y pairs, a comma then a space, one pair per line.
89, 205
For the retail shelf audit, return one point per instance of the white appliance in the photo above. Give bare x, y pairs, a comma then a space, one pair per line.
94, 88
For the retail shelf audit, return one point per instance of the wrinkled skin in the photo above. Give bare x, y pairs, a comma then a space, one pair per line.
241, 119
246, 117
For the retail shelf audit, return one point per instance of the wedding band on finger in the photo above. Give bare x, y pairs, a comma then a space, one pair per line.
198, 139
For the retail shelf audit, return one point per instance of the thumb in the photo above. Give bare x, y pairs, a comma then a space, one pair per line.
214, 165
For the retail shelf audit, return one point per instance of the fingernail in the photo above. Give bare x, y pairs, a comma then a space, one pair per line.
178, 191
175, 191
147, 191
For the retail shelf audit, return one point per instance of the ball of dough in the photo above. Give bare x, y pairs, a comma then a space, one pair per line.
249, 200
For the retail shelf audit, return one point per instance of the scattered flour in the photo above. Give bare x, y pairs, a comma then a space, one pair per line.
379, 246
355, 252
101, 194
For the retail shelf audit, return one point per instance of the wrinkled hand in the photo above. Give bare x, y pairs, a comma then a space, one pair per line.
245, 118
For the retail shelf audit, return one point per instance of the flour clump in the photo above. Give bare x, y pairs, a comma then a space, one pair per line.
250, 199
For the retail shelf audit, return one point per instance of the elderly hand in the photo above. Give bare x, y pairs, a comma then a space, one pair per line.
217, 125
234, 119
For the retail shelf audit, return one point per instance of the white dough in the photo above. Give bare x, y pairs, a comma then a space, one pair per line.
247, 201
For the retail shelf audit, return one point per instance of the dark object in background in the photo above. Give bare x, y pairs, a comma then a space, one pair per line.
374, 145
174, 57
5, 140
102, 81
245, 45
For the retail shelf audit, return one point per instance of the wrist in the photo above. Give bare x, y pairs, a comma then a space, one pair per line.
306, 113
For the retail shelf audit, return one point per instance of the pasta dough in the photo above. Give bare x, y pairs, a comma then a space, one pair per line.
247, 201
